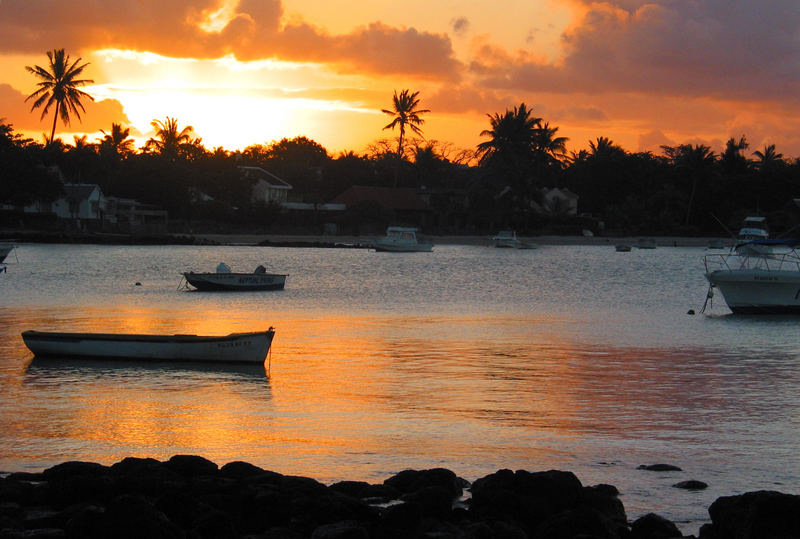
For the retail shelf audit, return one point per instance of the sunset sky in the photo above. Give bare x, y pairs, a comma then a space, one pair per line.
253, 71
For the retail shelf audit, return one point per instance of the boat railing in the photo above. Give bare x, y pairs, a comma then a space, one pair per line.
785, 261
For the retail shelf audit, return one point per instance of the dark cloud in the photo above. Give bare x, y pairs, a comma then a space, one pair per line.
714, 48
255, 32
460, 25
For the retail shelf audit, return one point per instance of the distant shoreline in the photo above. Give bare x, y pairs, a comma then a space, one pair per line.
306, 240
278, 239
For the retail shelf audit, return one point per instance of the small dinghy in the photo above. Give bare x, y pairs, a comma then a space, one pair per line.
225, 279
234, 348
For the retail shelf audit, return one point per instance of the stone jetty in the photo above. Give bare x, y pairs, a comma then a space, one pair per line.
189, 496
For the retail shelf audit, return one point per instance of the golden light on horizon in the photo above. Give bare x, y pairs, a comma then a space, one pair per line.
231, 103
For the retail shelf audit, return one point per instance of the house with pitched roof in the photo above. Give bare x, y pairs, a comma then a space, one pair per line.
268, 187
83, 201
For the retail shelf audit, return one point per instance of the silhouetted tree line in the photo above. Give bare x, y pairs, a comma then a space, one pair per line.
686, 191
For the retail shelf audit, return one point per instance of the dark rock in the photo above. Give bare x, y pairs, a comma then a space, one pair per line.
760, 514
435, 501
41, 533
691, 484
524, 498
264, 478
78, 482
604, 489
603, 499
402, 516
659, 468
505, 530
215, 525
409, 481
43, 517
133, 465
26, 476
181, 508
191, 465
579, 522
24, 493
148, 477
280, 532
130, 517
240, 470
75, 468
351, 488
341, 530
263, 507
481, 530
379, 493
653, 526
10, 509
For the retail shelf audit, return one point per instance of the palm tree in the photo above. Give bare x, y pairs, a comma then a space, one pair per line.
697, 162
732, 159
168, 140
405, 114
548, 148
59, 84
512, 135
118, 141
768, 158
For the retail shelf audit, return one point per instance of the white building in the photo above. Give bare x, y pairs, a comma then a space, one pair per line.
268, 187
81, 201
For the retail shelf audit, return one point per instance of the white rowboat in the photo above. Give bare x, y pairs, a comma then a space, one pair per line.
233, 348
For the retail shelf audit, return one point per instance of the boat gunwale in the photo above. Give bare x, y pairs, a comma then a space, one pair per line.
138, 337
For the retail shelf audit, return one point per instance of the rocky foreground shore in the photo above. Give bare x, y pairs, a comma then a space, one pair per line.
191, 497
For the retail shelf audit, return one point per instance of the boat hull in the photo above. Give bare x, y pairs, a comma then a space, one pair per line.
401, 247
757, 291
235, 281
233, 348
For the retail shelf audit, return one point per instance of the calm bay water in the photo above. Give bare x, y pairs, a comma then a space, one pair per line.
471, 358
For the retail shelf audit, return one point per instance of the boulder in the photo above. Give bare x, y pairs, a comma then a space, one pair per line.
524, 498
341, 530
653, 526
581, 521
191, 465
659, 468
240, 470
434, 501
752, 515
409, 481
691, 484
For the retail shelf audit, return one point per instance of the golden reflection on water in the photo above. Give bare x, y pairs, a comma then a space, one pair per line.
356, 397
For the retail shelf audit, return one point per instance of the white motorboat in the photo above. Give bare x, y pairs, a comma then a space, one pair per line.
761, 276
509, 239
401, 239
233, 348
225, 279
753, 230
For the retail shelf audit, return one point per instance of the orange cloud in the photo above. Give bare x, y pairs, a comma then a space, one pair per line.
255, 31
98, 115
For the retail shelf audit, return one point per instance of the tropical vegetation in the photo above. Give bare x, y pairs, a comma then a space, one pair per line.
59, 84
686, 189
